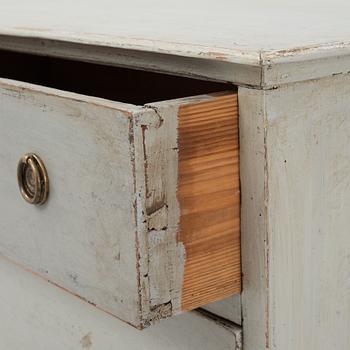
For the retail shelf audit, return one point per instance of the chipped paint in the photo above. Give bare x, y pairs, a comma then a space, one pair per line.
218, 55
86, 341
161, 257
158, 220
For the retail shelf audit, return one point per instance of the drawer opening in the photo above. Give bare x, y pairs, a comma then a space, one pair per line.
109, 82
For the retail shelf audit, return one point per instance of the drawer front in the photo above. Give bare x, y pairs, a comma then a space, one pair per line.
76, 325
80, 239
142, 218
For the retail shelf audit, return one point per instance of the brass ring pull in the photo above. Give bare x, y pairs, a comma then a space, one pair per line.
32, 179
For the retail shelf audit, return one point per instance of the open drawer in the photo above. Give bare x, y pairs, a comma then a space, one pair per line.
142, 214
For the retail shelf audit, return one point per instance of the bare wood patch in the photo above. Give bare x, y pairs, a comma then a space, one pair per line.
209, 198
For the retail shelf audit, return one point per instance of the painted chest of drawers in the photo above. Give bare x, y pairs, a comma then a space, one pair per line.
169, 157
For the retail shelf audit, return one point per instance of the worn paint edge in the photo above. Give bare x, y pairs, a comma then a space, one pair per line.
15, 86
237, 55
180, 65
161, 258
254, 226
261, 69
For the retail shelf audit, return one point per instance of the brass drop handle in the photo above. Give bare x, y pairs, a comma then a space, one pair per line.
32, 179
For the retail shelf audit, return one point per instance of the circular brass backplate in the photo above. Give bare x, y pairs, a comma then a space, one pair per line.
32, 179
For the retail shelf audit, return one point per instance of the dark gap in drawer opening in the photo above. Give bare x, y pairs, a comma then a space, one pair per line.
113, 83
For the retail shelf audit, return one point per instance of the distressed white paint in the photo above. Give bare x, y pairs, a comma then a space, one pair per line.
296, 261
165, 63
237, 30
162, 258
234, 40
308, 162
294, 229
84, 238
253, 217
36, 315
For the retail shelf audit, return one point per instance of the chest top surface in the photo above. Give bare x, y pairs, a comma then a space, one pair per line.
250, 33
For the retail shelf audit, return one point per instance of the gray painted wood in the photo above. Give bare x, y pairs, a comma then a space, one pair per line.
36, 315
295, 167
246, 42
157, 62
308, 162
92, 236
253, 217
229, 309
294, 139
75, 240
237, 31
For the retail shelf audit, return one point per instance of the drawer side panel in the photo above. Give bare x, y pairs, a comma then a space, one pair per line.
209, 197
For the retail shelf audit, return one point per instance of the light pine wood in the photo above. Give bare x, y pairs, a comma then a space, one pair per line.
209, 198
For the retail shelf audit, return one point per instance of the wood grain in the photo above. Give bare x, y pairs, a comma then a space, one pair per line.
209, 197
